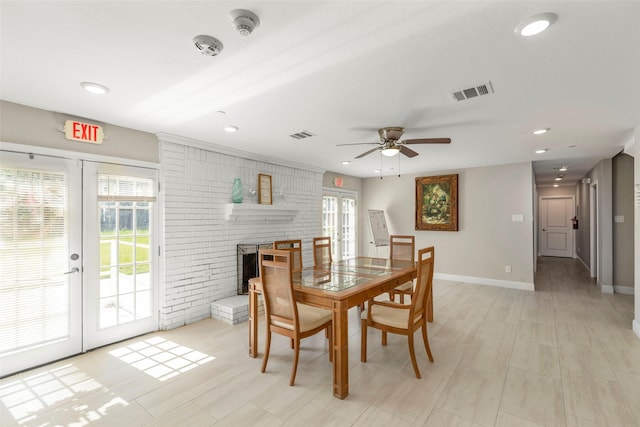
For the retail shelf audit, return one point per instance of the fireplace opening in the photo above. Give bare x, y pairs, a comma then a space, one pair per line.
248, 264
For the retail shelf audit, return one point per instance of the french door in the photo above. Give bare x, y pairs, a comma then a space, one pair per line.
339, 221
40, 260
78, 256
121, 252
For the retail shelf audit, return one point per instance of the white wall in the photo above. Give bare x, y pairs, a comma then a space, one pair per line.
200, 245
487, 240
602, 177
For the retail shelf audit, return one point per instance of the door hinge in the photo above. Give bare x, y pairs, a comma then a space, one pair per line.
158, 186
158, 250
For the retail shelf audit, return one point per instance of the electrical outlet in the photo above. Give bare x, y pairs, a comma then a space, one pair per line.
507, 269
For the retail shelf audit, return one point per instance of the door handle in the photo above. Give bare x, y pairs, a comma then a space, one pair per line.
74, 270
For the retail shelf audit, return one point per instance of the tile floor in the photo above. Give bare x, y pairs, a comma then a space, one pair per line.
564, 355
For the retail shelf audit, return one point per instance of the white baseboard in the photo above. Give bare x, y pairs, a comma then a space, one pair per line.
624, 290
606, 289
523, 286
636, 327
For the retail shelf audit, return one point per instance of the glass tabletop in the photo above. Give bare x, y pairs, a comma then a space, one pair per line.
374, 264
344, 274
328, 279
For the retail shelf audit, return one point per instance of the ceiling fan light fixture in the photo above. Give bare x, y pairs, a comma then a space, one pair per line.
390, 151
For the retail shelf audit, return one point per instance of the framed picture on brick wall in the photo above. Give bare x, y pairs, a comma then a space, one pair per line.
264, 189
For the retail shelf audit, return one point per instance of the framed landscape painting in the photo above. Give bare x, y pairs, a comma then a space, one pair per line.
437, 203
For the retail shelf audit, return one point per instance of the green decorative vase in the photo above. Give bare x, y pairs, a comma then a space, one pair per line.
236, 192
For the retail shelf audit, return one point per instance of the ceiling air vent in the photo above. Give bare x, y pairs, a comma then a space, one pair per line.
303, 134
472, 92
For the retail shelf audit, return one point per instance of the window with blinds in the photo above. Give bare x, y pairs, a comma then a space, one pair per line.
125, 207
34, 245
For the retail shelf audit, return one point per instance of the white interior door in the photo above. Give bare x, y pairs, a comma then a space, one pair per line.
339, 221
40, 260
556, 228
121, 252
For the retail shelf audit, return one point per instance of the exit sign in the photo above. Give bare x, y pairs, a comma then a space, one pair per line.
84, 132
338, 182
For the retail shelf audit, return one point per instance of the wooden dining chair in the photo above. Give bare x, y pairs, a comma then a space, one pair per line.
322, 251
403, 319
283, 314
295, 246
402, 248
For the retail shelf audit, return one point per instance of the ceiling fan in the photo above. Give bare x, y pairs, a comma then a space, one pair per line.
390, 144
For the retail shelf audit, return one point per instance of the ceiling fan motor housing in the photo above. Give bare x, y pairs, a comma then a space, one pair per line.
390, 133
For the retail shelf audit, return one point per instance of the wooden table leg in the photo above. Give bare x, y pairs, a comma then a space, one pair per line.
253, 322
340, 350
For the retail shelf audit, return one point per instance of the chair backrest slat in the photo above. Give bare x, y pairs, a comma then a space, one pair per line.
295, 247
402, 247
277, 285
424, 281
322, 251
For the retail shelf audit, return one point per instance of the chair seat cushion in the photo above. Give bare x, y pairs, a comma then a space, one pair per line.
407, 286
309, 317
395, 317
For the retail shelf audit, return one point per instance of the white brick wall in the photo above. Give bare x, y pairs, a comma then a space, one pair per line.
199, 245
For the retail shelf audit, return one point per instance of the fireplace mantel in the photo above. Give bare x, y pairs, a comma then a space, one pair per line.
254, 212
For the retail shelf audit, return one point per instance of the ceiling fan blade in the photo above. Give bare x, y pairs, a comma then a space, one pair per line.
427, 141
407, 151
367, 153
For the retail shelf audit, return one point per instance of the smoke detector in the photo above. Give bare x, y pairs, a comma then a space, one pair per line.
208, 45
244, 20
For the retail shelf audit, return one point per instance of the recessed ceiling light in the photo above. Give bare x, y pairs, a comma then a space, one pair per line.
542, 150
564, 168
558, 178
377, 170
230, 128
95, 88
556, 185
540, 131
221, 113
346, 162
536, 24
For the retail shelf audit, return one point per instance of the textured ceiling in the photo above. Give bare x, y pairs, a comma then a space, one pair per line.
341, 70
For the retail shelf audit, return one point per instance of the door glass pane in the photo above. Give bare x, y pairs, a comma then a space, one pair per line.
339, 222
348, 227
34, 245
125, 241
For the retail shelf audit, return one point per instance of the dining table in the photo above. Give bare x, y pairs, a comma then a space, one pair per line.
339, 286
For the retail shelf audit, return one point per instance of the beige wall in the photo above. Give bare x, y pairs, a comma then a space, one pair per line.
487, 240
351, 183
31, 126
623, 231
636, 180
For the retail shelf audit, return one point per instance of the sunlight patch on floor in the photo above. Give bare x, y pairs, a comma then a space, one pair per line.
160, 358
